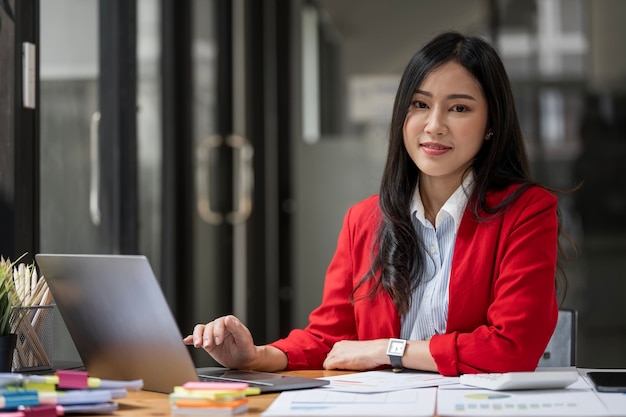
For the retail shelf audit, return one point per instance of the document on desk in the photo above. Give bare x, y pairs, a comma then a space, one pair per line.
385, 381
321, 402
535, 403
615, 403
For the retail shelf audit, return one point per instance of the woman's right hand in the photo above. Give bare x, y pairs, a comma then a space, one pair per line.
227, 340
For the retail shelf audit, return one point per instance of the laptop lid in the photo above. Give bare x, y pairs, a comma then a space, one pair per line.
118, 318
122, 326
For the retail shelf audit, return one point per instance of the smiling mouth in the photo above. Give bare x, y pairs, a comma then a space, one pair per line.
434, 150
435, 147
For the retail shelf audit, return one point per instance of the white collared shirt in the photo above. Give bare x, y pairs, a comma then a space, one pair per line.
428, 314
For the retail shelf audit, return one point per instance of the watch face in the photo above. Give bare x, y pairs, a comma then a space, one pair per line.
396, 347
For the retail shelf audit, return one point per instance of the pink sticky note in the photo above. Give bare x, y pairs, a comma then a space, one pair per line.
72, 379
206, 385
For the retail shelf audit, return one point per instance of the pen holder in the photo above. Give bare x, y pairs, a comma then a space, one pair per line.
34, 339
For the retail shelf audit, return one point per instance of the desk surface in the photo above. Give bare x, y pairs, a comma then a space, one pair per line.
145, 403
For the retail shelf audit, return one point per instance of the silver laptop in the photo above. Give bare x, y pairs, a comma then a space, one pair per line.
122, 326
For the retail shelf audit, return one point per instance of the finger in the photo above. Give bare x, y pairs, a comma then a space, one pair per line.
220, 330
232, 327
328, 361
196, 337
228, 326
188, 340
208, 335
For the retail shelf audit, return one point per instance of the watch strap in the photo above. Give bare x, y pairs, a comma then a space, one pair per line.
395, 351
396, 362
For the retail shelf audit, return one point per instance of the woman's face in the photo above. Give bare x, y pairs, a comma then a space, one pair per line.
446, 123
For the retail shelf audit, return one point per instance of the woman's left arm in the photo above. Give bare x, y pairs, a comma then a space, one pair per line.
362, 355
503, 306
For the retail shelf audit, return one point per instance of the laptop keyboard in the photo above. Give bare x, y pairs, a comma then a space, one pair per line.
209, 378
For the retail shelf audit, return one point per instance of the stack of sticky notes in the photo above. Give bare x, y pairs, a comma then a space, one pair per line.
65, 392
211, 398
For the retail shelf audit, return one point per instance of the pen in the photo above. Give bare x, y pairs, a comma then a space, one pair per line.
7, 378
75, 397
11, 400
39, 411
60, 410
54, 380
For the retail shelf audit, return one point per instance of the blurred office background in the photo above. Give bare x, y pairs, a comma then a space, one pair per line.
224, 139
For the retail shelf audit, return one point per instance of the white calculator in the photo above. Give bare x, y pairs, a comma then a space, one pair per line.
520, 380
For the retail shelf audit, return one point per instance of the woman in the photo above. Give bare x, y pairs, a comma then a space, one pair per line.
456, 256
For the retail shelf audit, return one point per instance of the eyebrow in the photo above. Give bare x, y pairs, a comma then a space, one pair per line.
450, 96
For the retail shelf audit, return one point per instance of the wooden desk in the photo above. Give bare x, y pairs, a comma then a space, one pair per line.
147, 404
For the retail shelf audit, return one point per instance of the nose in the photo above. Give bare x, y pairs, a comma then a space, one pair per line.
436, 123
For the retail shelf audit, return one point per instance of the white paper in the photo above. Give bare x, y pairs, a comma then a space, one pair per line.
614, 402
385, 381
535, 403
323, 402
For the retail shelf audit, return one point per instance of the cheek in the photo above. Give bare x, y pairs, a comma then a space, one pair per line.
410, 122
412, 127
406, 131
475, 145
409, 136
473, 134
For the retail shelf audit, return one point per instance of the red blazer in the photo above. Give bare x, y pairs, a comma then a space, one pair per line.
502, 296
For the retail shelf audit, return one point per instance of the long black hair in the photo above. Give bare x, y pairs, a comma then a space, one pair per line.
501, 161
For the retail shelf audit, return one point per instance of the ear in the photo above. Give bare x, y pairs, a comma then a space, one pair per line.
489, 134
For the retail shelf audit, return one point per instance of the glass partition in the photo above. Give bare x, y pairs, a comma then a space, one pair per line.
69, 206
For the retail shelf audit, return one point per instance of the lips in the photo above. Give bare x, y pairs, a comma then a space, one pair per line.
431, 148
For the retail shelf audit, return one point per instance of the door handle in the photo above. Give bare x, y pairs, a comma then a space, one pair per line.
94, 169
203, 180
243, 178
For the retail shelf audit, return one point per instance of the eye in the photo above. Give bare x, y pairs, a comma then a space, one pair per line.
419, 104
459, 108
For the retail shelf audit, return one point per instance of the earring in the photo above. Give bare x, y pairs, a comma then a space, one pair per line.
489, 135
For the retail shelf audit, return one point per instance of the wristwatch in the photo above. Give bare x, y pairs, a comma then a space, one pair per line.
395, 350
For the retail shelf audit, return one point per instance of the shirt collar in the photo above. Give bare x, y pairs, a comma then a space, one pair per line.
454, 206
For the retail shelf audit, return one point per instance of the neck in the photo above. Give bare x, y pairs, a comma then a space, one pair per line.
434, 193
